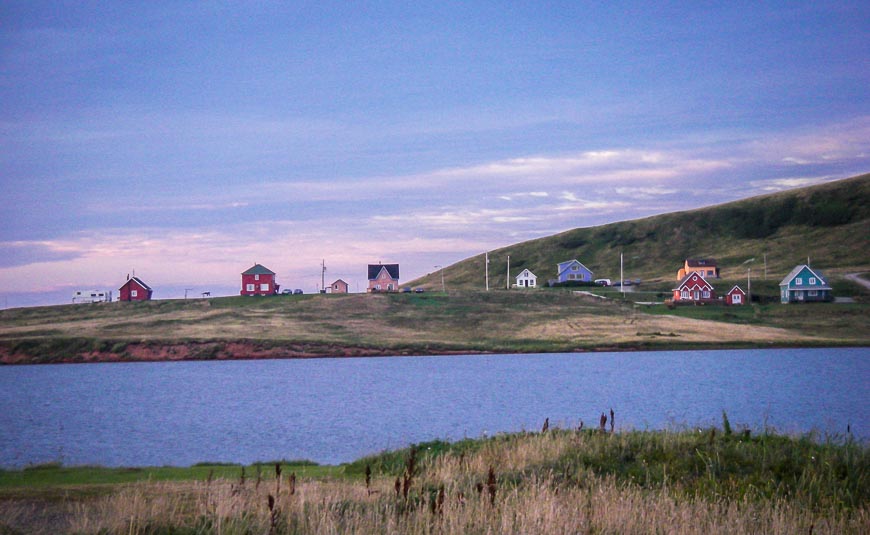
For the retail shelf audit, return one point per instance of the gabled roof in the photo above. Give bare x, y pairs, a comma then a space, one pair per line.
701, 262
337, 281
797, 269
258, 269
563, 266
138, 281
375, 270
688, 279
737, 288
527, 270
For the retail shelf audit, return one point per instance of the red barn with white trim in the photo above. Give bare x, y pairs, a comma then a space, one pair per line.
135, 290
735, 296
259, 280
694, 288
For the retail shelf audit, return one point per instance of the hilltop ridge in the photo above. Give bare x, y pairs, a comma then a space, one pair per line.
830, 223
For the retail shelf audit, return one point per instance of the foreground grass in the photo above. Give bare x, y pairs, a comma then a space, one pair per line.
556, 482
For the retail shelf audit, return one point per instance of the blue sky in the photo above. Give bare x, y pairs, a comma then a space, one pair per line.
188, 140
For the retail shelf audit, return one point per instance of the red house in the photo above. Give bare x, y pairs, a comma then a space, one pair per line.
339, 287
694, 288
383, 278
135, 290
735, 296
259, 280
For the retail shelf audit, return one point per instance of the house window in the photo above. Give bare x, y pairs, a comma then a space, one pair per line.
813, 293
249, 288
573, 268
264, 287
706, 294
256, 277
134, 293
736, 298
798, 281
812, 281
684, 294
709, 272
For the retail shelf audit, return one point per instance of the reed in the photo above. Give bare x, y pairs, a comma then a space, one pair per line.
565, 481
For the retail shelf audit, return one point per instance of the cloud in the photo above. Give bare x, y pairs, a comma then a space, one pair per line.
645, 192
781, 184
22, 253
846, 141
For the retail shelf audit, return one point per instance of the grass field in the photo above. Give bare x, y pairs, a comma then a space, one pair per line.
721, 480
389, 324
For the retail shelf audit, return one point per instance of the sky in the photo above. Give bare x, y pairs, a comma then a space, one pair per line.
186, 141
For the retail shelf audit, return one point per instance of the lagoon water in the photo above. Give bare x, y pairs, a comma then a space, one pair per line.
337, 410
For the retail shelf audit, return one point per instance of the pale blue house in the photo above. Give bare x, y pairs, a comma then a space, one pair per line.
804, 285
572, 270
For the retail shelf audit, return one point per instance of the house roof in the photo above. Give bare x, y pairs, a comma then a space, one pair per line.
527, 271
138, 281
737, 288
375, 270
563, 266
797, 269
688, 278
258, 269
337, 281
701, 262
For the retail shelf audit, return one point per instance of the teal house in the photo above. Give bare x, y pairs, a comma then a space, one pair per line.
804, 285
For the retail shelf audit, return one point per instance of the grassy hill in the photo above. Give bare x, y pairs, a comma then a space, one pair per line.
829, 223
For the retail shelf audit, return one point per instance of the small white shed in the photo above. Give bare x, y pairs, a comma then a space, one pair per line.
526, 279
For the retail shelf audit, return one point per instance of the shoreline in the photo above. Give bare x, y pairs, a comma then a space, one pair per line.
268, 350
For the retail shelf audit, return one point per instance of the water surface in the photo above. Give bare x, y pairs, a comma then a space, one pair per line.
337, 410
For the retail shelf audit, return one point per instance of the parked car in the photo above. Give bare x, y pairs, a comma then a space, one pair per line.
406, 290
297, 291
419, 290
286, 292
603, 282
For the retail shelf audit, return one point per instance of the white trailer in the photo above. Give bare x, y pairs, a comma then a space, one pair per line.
91, 296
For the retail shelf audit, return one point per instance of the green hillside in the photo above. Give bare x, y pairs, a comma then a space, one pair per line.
830, 223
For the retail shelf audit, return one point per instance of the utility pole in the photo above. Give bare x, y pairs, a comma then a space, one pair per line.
185, 291
507, 279
621, 281
765, 266
749, 284
441, 268
323, 276
486, 257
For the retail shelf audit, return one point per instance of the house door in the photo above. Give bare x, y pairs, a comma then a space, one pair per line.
696, 295
799, 295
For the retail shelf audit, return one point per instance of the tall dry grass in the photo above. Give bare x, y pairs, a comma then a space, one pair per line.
526, 483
